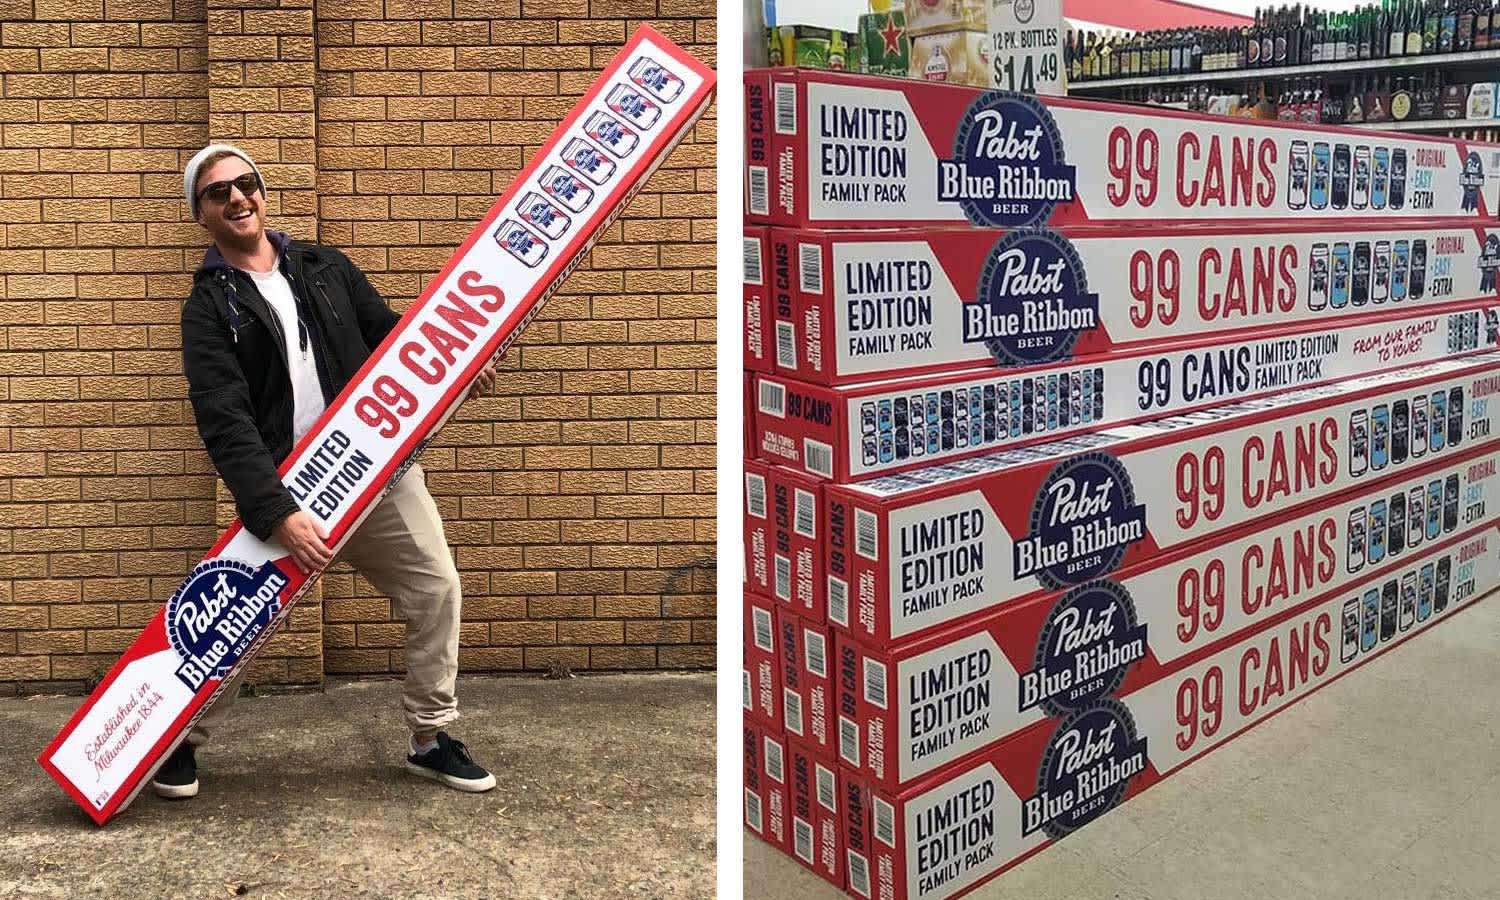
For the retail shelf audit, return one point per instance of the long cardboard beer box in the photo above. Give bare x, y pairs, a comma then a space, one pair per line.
828, 150
758, 350
860, 431
761, 688
817, 833
639, 108
873, 304
911, 553
807, 709
910, 710
963, 825
758, 534
765, 785
796, 546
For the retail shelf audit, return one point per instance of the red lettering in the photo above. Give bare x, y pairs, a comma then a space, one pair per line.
1206, 309
1252, 488
1254, 558
408, 354
1286, 265
1320, 631
1240, 172
461, 315
1248, 703
1265, 190
1187, 188
1298, 656
470, 283
1328, 531
445, 343
1213, 175
1274, 684
1234, 289
1328, 444
1261, 299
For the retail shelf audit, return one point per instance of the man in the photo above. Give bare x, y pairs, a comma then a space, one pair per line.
271, 333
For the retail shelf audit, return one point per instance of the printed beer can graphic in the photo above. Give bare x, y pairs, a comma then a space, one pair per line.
521, 243
565, 189
586, 159
628, 102
661, 84
611, 135
536, 211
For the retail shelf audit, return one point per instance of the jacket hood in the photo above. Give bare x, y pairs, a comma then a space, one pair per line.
214, 260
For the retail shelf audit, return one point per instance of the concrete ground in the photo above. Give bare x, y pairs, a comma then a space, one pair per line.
606, 789
1385, 784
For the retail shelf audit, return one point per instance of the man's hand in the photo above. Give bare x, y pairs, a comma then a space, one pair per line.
484, 382
304, 538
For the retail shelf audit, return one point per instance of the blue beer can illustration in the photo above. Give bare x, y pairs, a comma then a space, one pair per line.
538, 212
1379, 177
1400, 267
518, 240
1369, 634
588, 161
657, 81
1424, 595
610, 134
1438, 433
1434, 509
1016, 417
1380, 434
1339, 292
887, 446
627, 102
883, 420
563, 187
1322, 160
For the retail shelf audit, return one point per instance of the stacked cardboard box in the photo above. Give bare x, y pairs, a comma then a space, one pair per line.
1086, 438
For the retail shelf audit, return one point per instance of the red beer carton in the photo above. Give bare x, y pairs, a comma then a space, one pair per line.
806, 683
859, 431
915, 552
829, 150
758, 533
469, 313
765, 785
817, 832
762, 674
961, 826
928, 703
797, 548
880, 304
748, 411
758, 352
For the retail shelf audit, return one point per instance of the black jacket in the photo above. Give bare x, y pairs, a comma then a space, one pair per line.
234, 357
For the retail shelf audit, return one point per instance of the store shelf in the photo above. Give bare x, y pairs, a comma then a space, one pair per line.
1433, 125
1384, 64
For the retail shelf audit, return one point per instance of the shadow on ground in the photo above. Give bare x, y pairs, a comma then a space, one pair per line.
606, 789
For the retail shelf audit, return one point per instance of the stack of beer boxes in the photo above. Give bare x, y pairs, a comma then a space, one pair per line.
1085, 437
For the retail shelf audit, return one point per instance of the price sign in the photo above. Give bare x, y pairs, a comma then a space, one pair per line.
1028, 41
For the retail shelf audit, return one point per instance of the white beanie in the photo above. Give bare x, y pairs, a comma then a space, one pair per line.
190, 174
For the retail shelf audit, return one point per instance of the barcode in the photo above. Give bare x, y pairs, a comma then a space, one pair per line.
802, 837
783, 578
859, 874
752, 811
755, 495
804, 522
816, 653
866, 532
760, 191
774, 769
752, 261
875, 683
786, 108
810, 264
817, 457
825, 790
773, 399
786, 345
749, 704
838, 601
885, 822
849, 741
762, 620
791, 710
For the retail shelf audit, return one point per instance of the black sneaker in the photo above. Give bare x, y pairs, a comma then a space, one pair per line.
450, 763
177, 779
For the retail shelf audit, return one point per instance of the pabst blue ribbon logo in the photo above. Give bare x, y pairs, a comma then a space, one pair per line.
1007, 169
1033, 301
1090, 641
1489, 263
217, 612
1086, 770
1083, 519
1471, 180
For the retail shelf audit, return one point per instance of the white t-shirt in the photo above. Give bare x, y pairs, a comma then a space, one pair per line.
307, 394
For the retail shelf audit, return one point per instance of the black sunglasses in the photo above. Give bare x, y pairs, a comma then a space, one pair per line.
218, 192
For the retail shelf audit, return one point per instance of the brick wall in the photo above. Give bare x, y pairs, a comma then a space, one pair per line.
578, 498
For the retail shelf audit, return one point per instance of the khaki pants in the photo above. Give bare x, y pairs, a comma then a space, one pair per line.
401, 549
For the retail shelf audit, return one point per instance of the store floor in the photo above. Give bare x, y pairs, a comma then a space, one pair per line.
1385, 784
